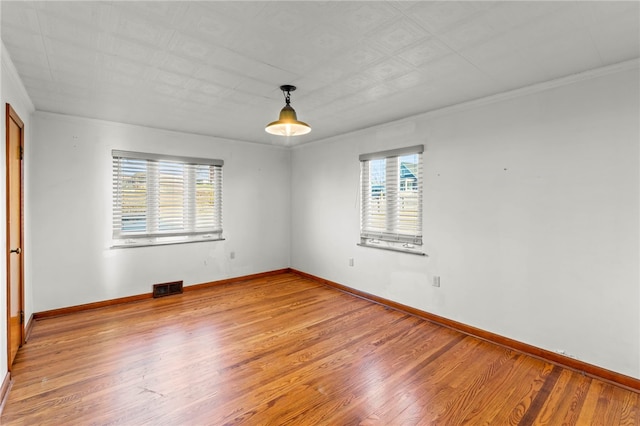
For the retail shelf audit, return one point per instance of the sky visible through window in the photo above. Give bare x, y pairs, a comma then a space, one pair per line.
377, 170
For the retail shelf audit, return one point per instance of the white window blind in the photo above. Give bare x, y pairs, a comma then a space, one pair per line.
391, 197
160, 199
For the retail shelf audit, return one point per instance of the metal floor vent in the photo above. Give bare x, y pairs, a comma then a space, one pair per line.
167, 289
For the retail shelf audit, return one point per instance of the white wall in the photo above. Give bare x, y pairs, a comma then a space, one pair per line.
530, 217
70, 185
13, 92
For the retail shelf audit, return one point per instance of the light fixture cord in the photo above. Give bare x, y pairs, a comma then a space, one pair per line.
287, 97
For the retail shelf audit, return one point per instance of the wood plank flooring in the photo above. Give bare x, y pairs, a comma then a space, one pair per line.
285, 350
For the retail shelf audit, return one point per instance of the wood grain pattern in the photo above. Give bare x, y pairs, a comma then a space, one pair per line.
135, 298
14, 132
564, 361
287, 350
5, 386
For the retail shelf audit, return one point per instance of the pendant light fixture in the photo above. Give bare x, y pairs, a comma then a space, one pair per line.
288, 124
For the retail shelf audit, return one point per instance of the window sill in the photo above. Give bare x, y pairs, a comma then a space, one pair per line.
392, 248
151, 242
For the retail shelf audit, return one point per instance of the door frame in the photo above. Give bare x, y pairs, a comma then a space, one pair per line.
11, 115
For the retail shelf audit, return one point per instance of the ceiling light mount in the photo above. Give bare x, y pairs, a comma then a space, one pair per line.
287, 88
288, 124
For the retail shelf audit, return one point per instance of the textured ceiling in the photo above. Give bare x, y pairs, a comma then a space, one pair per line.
215, 67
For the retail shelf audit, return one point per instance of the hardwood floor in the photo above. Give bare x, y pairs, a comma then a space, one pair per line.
285, 350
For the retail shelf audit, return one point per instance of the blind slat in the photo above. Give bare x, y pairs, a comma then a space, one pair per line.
156, 195
391, 196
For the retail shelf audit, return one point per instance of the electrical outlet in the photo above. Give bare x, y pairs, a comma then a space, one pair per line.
232, 255
436, 281
351, 261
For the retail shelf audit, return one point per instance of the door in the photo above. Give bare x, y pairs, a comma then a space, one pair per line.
15, 304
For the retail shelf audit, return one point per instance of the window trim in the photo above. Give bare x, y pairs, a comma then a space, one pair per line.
384, 239
163, 157
145, 239
398, 152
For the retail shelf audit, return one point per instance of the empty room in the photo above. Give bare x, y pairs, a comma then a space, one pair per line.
320, 212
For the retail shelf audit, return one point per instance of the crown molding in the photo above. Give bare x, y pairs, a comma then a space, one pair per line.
44, 114
9, 68
532, 89
491, 99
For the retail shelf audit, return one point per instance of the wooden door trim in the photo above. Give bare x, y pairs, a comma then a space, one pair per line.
12, 115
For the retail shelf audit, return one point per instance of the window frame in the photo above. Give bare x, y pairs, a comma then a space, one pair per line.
156, 186
390, 235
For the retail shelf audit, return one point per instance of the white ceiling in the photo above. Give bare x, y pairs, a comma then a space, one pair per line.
215, 67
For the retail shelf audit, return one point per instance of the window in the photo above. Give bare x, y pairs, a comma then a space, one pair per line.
160, 199
391, 196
